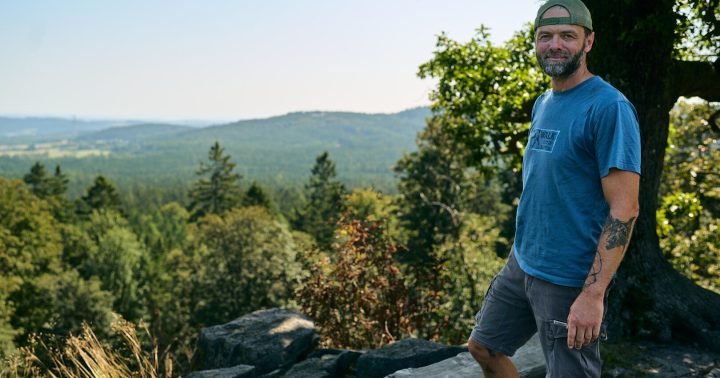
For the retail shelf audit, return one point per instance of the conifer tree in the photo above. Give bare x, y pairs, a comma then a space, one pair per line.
256, 196
219, 192
59, 182
325, 202
101, 195
38, 180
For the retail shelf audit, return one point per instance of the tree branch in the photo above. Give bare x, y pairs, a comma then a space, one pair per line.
696, 79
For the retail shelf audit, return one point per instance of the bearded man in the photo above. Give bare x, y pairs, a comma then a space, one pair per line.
581, 175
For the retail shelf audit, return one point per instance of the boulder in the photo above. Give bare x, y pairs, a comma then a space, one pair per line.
403, 354
529, 361
266, 339
239, 371
322, 363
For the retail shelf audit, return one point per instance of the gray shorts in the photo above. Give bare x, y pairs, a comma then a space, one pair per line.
518, 305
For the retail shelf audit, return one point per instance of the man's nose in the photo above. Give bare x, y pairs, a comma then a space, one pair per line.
555, 43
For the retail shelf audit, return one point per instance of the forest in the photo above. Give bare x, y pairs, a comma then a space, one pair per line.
158, 264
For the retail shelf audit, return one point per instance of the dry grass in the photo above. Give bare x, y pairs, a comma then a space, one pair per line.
85, 356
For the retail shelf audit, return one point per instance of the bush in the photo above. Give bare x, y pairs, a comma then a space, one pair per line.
357, 296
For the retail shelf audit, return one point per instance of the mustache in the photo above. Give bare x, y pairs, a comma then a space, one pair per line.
555, 54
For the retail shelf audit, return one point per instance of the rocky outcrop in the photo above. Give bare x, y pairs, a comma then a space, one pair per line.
279, 343
408, 353
324, 366
239, 371
529, 361
266, 339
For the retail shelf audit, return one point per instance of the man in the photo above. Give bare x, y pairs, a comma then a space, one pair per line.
581, 174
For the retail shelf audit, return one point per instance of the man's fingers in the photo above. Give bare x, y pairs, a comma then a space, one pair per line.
588, 335
571, 336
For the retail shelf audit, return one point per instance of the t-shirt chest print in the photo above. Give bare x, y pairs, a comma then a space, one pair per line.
543, 139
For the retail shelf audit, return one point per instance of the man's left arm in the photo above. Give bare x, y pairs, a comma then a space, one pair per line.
621, 189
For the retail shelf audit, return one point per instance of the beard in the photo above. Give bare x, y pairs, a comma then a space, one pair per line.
560, 69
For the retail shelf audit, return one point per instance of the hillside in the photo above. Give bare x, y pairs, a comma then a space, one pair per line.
279, 149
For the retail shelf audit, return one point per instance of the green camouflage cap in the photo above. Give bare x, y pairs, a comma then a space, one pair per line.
579, 14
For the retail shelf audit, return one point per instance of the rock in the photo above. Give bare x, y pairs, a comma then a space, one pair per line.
239, 371
322, 363
403, 354
529, 361
267, 339
316, 367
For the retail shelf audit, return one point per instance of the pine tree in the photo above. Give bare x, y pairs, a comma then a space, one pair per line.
325, 202
256, 196
102, 195
58, 183
38, 180
218, 193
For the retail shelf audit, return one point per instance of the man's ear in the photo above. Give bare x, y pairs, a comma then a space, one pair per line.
589, 42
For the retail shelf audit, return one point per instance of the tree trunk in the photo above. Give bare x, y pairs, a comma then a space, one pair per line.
633, 51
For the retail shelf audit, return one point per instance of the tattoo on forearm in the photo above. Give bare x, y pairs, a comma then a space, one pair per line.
595, 270
618, 232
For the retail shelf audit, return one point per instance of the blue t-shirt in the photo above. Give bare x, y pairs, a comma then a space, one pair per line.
576, 136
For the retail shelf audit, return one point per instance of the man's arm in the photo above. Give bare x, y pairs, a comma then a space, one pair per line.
621, 189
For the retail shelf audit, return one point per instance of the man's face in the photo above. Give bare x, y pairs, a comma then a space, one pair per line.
560, 48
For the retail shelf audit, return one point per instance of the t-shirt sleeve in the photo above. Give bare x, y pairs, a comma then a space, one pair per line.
617, 138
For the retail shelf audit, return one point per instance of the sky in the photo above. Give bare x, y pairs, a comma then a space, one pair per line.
229, 59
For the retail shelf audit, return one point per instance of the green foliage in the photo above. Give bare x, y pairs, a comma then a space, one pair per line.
247, 263
30, 246
101, 195
698, 29
436, 186
324, 204
470, 263
43, 185
116, 260
256, 196
486, 92
689, 212
58, 304
359, 300
221, 191
697, 256
7, 332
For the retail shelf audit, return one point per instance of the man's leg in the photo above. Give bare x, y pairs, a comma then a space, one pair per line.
504, 323
551, 305
493, 364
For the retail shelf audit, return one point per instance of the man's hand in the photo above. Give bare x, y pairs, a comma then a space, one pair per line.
585, 319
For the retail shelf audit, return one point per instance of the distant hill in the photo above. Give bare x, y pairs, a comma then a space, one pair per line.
278, 150
139, 133
43, 129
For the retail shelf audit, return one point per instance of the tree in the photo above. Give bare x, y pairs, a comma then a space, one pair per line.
218, 193
40, 183
637, 50
256, 196
689, 213
247, 263
117, 260
59, 182
360, 300
436, 186
101, 195
324, 204
38, 293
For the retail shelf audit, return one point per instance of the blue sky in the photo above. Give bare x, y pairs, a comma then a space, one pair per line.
227, 60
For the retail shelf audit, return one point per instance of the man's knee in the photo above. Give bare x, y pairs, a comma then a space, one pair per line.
482, 354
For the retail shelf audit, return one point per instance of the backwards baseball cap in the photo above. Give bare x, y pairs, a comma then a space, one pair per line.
579, 14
